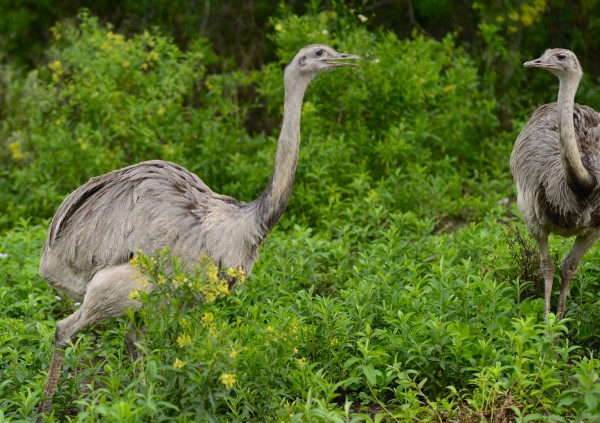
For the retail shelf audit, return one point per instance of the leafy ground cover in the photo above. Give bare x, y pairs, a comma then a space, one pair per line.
397, 287
387, 332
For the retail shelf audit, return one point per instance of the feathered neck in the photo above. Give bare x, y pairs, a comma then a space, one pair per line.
578, 178
270, 205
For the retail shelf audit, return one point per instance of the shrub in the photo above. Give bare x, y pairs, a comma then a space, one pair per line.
103, 101
100, 102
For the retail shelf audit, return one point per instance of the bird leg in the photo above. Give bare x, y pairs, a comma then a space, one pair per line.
547, 270
130, 338
107, 296
58, 359
569, 265
66, 330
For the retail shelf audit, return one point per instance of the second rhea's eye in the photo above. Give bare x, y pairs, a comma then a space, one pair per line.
319, 53
561, 56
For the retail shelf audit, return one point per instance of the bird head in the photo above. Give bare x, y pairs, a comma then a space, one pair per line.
316, 58
559, 61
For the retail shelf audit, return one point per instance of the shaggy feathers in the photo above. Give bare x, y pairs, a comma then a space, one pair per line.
540, 178
98, 226
556, 166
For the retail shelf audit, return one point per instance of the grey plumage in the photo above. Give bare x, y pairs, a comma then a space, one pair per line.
156, 204
556, 166
146, 207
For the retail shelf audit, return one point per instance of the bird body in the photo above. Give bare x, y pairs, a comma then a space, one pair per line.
147, 207
155, 205
541, 182
555, 164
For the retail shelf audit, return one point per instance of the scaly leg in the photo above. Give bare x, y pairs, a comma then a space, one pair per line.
62, 335
130, 338
107, 296
547, 269
568, 267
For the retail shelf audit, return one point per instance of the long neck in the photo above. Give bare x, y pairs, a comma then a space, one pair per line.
270, 205
578, 178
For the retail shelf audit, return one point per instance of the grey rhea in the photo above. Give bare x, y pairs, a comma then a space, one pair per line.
156, 204
556, 166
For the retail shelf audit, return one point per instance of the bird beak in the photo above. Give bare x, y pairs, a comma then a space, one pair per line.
336, 61
537, 63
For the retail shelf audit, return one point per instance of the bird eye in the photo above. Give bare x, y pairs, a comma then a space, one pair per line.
319, 53
561, 56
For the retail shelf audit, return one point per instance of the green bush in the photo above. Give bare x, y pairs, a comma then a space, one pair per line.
100, 102
103, 101
403, 333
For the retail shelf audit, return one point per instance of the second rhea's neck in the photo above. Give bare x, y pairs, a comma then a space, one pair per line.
578, 177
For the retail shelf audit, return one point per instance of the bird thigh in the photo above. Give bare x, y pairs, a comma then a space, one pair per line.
108, 293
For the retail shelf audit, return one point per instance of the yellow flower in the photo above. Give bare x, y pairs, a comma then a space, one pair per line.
183, 340
178, 364
449, 87
56, 31
233, 354
227, 379
161, 111
237, 274
82, 144
212, 290
212, 272
134, 295
208, 318
15, 150
301, 361
179, 280
278, 27
55, 65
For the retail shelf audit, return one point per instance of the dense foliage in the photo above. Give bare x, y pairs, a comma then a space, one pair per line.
398, 285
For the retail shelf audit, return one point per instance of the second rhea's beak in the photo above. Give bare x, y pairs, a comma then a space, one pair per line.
338, 60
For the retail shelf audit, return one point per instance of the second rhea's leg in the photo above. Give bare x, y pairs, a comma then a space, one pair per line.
569, 265
107, 296
547, 269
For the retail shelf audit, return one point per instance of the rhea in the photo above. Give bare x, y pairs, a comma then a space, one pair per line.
155, 205
556, 166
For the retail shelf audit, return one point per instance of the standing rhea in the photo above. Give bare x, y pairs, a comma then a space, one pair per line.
556, 166
155, 204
